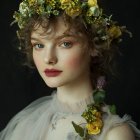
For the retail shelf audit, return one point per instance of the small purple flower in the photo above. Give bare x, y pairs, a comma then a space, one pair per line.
101, 82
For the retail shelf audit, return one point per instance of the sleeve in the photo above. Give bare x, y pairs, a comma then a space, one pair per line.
111, 121
29, 123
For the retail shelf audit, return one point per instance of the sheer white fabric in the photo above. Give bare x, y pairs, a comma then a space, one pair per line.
49, 119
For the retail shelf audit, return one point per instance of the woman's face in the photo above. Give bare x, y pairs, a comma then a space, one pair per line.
59, 55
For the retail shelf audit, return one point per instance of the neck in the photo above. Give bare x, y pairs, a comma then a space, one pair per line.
75, 92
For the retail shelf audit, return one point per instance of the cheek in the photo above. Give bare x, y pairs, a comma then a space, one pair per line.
36, 60
74, 62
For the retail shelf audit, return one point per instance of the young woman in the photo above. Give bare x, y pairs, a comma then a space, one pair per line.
72, 44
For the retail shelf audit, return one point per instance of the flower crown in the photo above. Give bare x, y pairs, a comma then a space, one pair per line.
89, 10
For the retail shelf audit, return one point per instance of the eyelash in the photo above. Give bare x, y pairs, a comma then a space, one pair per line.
65, 43
38, 46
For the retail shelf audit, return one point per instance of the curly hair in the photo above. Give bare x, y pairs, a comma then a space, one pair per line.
101, 64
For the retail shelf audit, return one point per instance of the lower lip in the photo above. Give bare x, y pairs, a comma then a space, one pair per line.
52, 74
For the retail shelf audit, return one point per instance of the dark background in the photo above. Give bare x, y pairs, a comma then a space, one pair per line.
19, 86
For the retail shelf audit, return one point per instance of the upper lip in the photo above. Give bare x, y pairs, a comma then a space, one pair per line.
52, 70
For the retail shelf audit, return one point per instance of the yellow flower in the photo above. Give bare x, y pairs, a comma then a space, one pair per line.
114, 32
65, 1
67, 4
40, 10
51, 3
73, 12
94, 128
92, 3
98, 114
94, 111
32, 2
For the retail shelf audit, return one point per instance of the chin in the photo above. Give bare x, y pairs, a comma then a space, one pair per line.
53, 84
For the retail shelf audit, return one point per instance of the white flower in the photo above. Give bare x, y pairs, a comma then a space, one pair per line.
23, 9
94, 11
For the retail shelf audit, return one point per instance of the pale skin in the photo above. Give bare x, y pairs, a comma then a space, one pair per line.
74, 82
65, 52
123, 132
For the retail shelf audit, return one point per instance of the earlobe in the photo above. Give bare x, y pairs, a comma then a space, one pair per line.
94, 53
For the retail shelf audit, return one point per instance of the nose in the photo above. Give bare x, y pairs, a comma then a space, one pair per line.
50, 56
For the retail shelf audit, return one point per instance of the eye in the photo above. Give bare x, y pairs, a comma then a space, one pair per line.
38, 46
66, 44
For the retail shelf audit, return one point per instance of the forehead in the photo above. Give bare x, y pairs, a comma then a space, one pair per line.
55, 29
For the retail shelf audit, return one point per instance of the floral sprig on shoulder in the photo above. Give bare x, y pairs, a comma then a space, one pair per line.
94, 114
105, 28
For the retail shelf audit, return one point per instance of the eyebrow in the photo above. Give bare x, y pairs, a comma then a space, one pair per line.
36, 39
57, 37
65, 35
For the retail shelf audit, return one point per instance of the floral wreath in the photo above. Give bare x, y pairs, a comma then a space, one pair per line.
89, 10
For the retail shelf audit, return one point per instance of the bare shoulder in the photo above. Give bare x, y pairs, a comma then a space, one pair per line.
121, 132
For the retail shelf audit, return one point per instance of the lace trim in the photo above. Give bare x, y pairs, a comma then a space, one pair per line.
75, 108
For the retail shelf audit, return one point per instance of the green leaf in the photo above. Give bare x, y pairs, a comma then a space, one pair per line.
99, 96
78, 129
112, 109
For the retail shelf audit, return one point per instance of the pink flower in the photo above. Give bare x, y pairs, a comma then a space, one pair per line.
101, 82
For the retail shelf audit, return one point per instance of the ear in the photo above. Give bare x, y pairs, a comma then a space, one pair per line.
94, 52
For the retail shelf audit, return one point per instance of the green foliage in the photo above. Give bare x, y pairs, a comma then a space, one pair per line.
99, 96
78, 129
112, 109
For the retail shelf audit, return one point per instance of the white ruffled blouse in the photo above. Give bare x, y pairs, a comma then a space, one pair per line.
49, 119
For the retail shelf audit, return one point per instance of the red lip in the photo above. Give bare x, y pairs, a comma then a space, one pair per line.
52, 72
